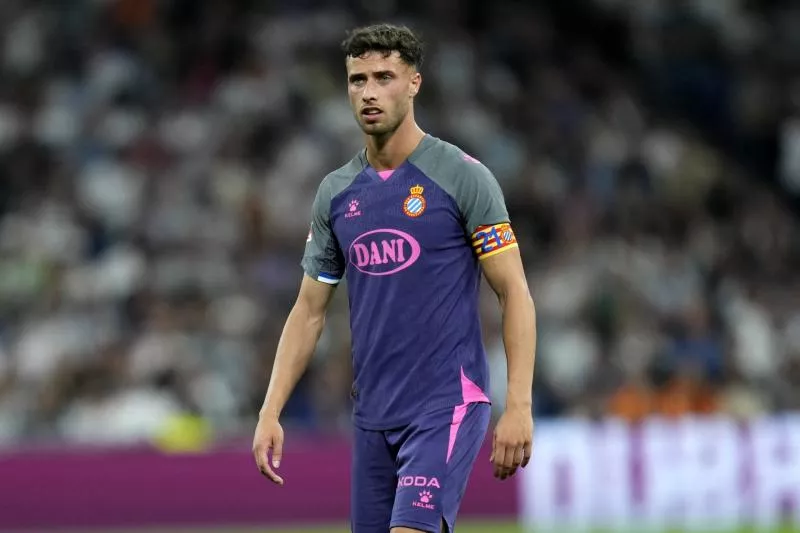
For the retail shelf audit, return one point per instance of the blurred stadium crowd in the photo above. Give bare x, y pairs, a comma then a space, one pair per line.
158, 160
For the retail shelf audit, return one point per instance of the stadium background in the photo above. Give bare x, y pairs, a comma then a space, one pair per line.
158, 159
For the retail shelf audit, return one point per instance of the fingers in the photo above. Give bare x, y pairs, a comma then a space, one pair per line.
509, 457
502, 461
510, 463
493, 458
503, 457
512, 445
527, 451
499, 456
261, 453
277, 452
519, 456
269, 472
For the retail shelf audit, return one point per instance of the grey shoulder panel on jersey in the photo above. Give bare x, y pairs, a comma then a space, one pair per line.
472, 185
322, 259
341, 178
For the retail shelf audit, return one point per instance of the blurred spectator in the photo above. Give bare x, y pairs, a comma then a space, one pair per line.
158, 161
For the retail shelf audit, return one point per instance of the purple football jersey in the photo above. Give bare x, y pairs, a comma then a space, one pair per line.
409, 245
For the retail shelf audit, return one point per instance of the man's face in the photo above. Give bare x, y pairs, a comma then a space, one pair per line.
381, 90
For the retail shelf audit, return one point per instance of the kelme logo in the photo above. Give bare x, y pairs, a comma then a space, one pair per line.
382, 252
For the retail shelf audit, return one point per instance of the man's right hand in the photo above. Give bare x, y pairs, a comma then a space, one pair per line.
295, 349
268, 438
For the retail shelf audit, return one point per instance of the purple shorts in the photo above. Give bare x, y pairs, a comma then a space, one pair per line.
416, 475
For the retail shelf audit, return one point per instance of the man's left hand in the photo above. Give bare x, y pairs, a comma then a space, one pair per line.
512, 442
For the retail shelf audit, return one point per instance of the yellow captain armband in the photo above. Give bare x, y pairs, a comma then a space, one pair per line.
493, 239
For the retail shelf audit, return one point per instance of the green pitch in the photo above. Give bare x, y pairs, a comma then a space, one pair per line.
488, 527
475, 528
466, 527
472, 527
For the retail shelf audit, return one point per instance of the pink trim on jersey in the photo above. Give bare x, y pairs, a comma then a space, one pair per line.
386, 174
458, 416
470, 393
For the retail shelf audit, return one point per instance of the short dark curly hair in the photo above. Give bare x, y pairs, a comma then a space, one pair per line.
386, 38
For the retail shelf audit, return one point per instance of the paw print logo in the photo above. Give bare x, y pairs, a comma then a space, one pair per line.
353, 206
425, 496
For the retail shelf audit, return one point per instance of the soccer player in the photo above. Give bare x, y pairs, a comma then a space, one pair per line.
412, 221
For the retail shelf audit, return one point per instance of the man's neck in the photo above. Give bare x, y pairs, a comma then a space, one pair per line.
389, 152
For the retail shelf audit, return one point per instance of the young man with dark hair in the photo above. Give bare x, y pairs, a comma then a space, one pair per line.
412, 221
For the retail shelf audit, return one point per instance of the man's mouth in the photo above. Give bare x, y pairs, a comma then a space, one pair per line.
371, 112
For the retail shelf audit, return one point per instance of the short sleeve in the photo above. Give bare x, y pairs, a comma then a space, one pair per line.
484, 211
322, 259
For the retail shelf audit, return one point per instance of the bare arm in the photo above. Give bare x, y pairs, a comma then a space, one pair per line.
297, 343
295, 349
513, 436
324, 267
506, 276
487, 223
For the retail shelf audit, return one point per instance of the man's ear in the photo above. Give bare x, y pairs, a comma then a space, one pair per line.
416, 81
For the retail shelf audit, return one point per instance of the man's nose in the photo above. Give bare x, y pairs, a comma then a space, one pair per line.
369, 93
